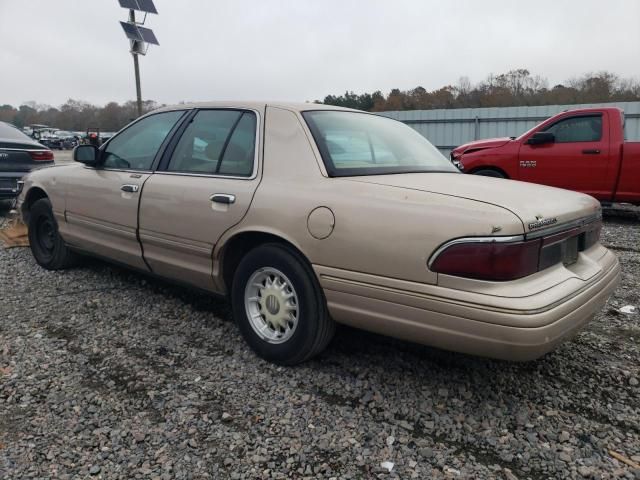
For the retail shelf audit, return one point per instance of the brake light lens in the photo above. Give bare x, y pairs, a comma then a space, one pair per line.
41, 155
498, 261
503, 259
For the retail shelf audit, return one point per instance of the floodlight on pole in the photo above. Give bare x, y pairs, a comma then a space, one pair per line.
139, 36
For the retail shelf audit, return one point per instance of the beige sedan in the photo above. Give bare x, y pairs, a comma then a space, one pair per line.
305, 215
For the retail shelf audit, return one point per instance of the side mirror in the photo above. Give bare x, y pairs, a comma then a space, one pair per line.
539, 138
87, 154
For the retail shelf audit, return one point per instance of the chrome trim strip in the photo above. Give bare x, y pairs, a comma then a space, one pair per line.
562, 227
45, 149
148, 172
444, 246
183, 174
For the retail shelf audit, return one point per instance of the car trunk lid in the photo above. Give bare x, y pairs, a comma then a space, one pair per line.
538, 207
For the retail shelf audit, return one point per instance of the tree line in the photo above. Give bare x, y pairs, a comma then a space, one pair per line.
75, 115
514, 88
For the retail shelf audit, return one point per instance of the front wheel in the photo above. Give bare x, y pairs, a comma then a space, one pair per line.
46, 244
279, 306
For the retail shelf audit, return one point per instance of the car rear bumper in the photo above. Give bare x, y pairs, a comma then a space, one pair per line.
482, 329
9, 184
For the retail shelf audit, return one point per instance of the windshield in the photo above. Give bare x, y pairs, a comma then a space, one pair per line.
353, 143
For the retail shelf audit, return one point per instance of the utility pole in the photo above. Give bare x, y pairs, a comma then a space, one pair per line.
139, 37
136, 67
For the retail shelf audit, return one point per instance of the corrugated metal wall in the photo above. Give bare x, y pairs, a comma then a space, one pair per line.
447, 129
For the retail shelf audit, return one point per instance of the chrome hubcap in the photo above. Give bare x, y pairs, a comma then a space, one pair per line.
271, 304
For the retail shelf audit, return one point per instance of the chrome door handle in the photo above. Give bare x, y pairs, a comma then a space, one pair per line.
129, 188
225, 198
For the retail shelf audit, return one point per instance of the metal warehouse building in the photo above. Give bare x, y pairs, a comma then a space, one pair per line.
447, 129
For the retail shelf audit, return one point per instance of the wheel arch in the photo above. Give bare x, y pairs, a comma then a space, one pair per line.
489, 167
233, 249
33, 195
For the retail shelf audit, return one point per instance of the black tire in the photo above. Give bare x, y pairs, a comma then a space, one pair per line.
46, 244
314, 328
489, 173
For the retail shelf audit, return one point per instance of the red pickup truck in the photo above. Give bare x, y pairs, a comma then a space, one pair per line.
582, 150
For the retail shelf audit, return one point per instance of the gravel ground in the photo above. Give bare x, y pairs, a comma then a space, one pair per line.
108, 374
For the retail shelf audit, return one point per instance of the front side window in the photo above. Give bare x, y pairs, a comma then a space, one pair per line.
136, 147
577, 129
217, 142
363, 144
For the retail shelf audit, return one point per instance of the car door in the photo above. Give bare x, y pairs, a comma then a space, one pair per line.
203, 187
578, 159
101, 207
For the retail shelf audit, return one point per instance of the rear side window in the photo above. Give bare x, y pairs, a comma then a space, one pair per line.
217, 142
577, 129
354, 143
136, 147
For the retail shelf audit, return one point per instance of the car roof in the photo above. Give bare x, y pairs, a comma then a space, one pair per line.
256, 105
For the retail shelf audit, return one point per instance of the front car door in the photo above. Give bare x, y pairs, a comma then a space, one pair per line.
578, 159
101, 207
204, 186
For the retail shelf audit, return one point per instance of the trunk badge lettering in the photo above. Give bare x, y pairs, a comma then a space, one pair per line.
542, 222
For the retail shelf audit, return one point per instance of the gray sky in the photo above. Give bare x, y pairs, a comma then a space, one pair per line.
304, 49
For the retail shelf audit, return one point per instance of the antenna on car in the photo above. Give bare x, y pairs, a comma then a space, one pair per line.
139, 37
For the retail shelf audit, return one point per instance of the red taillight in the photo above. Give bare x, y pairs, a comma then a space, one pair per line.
509, 258
41, 155
492, 260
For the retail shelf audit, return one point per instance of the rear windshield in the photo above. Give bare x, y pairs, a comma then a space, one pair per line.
353, 143
10, 133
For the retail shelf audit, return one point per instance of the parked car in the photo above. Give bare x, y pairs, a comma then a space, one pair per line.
305, 215
582, 150
18, 155
65, 140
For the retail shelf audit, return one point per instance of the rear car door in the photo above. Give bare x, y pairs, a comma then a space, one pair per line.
579, 158
102, 203
204, 186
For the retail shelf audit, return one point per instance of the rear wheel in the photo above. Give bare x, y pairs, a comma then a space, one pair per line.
489, 173
47, 245
279, 306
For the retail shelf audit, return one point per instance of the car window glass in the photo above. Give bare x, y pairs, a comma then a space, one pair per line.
217, 142
238, 157
136, 147
361, 144
358, 148
577, 129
